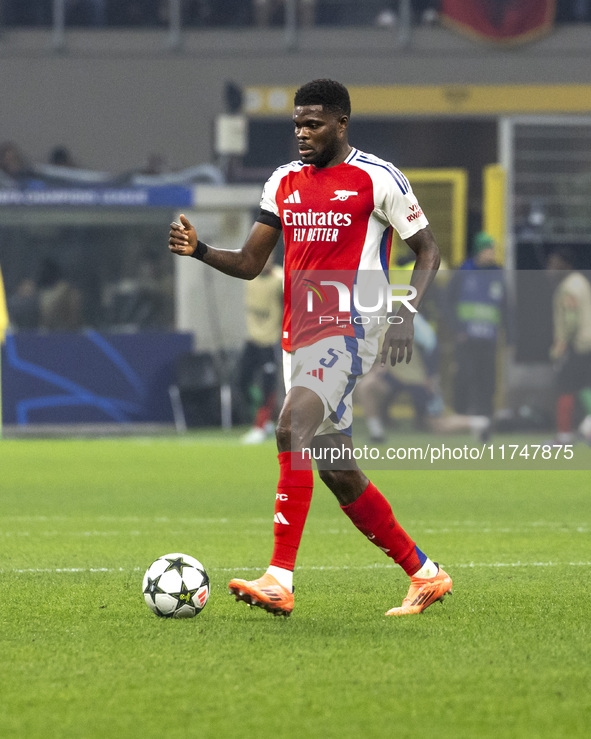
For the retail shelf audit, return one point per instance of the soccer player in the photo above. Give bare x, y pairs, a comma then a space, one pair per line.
336, 208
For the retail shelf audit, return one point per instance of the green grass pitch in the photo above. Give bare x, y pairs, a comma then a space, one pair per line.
82, 656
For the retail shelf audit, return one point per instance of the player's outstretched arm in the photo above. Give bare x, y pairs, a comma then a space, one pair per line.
245, 263
398, 340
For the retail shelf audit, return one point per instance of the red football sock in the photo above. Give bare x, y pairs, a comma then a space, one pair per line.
565, 407
294, 494
372, 515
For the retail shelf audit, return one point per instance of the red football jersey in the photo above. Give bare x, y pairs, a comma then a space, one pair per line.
336, 219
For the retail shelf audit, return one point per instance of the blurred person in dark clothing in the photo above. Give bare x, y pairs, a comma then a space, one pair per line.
571, 346
14, 168
476, 307
60, 302
23, 306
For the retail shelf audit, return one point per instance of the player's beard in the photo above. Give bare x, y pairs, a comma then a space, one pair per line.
323, 157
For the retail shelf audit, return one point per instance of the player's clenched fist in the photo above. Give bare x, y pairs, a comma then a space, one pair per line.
182, 238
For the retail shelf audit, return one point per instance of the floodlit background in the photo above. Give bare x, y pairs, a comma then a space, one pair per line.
118, 115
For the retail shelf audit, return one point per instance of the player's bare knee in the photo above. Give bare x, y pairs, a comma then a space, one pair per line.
283, 435
293, 436
346, 485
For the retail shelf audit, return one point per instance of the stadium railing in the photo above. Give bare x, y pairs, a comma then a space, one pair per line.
173, 17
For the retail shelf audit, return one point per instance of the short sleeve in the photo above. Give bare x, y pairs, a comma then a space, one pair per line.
269, 195
401, 207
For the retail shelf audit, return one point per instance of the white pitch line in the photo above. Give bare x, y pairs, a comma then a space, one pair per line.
320, 568
477, 526
71, 569
525, 529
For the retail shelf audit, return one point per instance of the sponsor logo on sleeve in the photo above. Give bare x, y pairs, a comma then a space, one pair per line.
415, 212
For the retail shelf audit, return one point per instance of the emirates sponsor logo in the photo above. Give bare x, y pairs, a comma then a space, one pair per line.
316, 218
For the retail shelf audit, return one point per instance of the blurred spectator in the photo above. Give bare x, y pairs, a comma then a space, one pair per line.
155, 284
14, 168
61, 156
23, 306
144, 300
571, 346
258, 363
155, 164
382, 385
476, 308
60, 302
418, 380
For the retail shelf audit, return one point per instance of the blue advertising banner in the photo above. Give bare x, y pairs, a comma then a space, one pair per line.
172, 196
89, 377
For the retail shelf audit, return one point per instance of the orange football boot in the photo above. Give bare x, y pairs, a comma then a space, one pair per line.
422, 593
266, 592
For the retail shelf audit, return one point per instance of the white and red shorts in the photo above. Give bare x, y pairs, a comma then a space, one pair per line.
331, 368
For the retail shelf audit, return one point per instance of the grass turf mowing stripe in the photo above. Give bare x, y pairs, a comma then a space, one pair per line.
83, 657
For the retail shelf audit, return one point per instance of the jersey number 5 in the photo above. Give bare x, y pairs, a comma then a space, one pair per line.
329, 362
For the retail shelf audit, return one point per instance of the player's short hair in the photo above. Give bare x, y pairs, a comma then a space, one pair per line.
333, 96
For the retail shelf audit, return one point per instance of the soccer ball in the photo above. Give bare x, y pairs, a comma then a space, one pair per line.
176, 586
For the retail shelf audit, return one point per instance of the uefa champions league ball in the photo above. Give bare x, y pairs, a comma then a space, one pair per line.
176, 586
